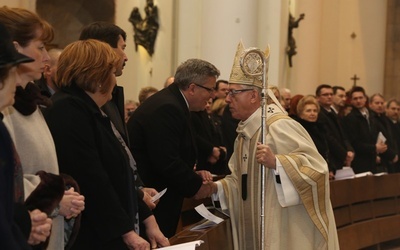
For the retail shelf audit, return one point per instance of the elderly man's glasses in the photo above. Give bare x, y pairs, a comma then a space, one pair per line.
233, 92
210, 90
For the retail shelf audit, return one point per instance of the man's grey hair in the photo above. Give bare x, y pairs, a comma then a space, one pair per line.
194, 71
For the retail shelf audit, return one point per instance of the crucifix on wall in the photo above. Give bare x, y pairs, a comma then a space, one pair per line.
355, 78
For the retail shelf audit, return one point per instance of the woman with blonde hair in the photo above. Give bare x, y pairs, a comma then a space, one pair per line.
91, 150
307, 111
25, 122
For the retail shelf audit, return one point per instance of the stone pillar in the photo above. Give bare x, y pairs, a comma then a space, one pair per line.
392, 59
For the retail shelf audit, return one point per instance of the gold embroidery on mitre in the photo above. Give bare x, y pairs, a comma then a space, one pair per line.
238, 76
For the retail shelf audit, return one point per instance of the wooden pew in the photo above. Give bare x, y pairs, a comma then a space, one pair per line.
367, 211
218, 237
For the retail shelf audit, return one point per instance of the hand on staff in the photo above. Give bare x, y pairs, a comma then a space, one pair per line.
265, 156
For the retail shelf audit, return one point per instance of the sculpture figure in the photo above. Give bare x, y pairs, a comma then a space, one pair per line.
145, 30
291, 50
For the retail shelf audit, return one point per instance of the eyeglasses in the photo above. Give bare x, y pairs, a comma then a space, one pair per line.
233, 92
210, 90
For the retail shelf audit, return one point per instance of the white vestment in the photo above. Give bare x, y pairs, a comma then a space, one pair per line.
298, 212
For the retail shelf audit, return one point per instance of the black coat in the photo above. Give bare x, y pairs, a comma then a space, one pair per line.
15, 224
396, 133
164, 148
362, 136
207, 137
318, 134
337, 141
383, 125
88, 150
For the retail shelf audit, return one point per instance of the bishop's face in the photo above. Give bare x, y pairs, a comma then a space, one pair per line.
240, 99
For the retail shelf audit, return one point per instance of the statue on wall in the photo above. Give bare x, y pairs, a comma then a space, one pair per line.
291, 50
145, 30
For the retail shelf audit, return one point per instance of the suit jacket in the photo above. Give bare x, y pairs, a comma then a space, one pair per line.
383, 125
165, 152
395, 168
207, 137
88, 150
337, 141
362, 135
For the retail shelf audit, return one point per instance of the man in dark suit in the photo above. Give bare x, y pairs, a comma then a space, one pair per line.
164, 146
341, 152
362, 132
390, 157
392, 113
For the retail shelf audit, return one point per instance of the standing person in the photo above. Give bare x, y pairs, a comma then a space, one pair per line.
390, 157
114, 108
24, 120
362, 132
164, 145
392, 113
18, 226
211, 152
221, 87
308, 112
47, 83
341, 151
298, 211
286, 97
339, 100
89, 148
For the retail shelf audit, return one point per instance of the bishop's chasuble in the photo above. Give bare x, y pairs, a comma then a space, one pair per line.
298, 212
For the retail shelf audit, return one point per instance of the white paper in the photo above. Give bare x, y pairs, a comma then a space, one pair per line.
211, 220
184, 246
344, 173
158, 196
381, 138
203, 211
363, 174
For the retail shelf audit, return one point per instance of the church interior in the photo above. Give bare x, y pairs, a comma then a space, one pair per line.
334, 42
312, 42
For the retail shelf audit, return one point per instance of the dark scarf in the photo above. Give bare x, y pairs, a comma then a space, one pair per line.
27, 100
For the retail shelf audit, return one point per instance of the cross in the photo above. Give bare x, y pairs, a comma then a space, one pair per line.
245, 157
355, 78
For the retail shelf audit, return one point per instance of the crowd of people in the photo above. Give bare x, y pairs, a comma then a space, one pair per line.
65, 135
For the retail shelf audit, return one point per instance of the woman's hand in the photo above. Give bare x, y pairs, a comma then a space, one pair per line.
135, 242
72, 204
155, 236
148, 193
41, 227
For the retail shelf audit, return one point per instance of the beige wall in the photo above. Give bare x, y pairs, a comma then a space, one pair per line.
211, 29
328, 54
